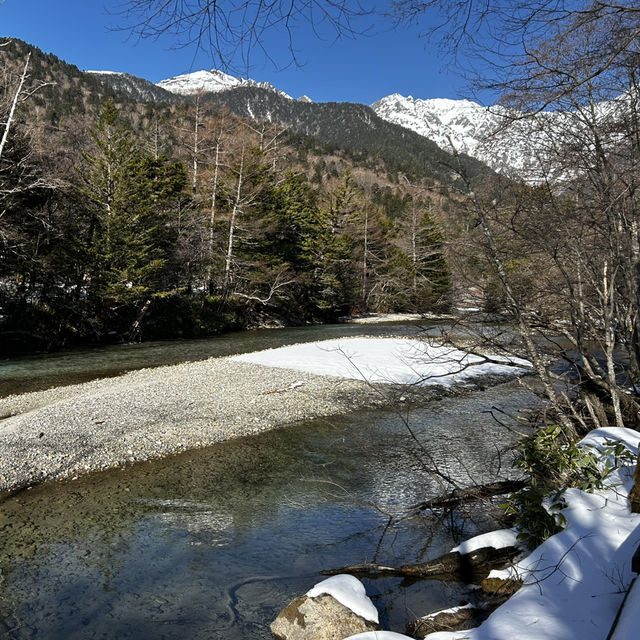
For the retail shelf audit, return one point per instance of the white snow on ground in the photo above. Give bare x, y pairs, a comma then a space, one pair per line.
386, 360
375, 318
574, 582
627, 626
348, 591
496, 539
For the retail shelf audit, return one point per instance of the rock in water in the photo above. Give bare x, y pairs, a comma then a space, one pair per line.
454, 619
319, 618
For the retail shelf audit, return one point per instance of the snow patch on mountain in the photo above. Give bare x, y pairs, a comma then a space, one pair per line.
212, 81
106, 73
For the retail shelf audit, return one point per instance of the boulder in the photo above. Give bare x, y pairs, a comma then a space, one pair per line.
319, 618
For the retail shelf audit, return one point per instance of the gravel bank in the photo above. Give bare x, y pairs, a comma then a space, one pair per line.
152, 413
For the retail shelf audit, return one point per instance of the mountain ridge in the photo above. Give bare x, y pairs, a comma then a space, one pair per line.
337, 123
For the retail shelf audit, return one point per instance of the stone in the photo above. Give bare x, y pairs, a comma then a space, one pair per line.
498, 586
454, 619
321, 618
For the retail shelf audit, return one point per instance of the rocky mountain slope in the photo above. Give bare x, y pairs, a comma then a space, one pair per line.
136, 88
466, 127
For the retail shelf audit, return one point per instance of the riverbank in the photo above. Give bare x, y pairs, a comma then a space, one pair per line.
153, 413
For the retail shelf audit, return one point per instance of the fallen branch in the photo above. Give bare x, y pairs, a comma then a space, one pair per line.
471, 494
468, 568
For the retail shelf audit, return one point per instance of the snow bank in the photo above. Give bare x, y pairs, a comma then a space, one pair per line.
574, 582
629, 622
378, 635
497, 539
386, 360
348, 591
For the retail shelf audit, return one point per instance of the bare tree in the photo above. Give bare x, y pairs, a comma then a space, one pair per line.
227, 29
14, 104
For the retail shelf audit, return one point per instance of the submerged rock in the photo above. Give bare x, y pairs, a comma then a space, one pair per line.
321, 618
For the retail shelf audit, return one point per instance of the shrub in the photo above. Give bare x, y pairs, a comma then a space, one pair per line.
554, 463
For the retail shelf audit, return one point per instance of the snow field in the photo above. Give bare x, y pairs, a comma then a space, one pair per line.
386, 360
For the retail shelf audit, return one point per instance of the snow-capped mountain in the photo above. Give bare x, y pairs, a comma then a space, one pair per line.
481, 132
462, 126
528, 147
212, 81
458, 124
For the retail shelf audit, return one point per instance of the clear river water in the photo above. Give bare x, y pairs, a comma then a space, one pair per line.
214, 543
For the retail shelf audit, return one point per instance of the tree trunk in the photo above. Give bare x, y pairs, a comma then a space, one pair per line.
232, 227
212, 216
14, 104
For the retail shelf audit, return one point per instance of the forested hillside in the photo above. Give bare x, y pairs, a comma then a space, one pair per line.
124, 220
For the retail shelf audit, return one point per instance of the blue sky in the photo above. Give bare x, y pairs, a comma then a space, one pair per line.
361, 70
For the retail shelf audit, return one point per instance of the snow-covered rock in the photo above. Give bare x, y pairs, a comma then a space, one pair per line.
498, 539
212, 81
333, 609
348, 591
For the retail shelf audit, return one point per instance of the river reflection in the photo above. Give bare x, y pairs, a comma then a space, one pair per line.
213, 543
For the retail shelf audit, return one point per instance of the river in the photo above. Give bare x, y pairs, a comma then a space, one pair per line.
214, 543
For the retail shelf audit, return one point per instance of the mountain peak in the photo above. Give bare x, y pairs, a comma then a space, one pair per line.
210, 81
461, 124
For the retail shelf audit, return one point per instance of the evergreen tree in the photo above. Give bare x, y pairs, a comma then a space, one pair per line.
132, 201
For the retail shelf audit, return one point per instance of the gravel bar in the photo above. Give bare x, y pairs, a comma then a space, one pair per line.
152, 413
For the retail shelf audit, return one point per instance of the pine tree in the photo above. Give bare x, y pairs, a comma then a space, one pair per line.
132, 197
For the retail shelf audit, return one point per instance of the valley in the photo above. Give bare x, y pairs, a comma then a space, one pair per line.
180, 261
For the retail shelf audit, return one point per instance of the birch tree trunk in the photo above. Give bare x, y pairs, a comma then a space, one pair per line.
212, 214
14, 104
232, 227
